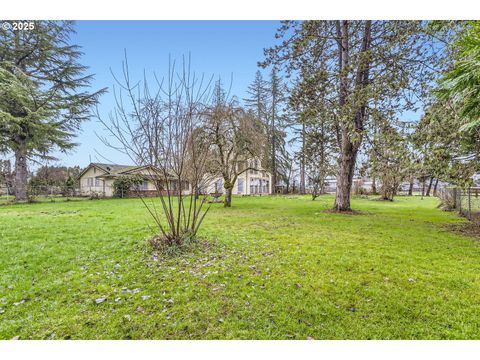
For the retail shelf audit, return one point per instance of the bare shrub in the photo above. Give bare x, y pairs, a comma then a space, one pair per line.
157, 128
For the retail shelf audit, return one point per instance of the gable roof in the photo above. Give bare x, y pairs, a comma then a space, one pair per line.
107, 168
127, 170
112, 170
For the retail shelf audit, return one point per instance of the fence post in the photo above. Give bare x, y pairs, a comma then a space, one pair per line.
469, 204
460, 202
454, 198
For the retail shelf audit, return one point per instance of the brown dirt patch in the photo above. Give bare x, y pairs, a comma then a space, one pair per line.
470, 228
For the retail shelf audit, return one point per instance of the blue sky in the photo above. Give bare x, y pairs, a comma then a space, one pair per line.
219, 48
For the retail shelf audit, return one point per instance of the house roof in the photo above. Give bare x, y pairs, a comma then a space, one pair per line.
112, 170
108, 168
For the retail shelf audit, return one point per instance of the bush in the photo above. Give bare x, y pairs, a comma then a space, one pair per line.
171, 245
447, 199
94, 195
359, 190
124, 183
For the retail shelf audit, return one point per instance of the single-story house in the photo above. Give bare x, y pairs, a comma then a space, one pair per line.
98, 178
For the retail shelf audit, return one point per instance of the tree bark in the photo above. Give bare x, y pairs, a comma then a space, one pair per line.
274, 140
302, 163
348, 145
228, 197
374, 186
344, 180
429, 186
410, 188
21, 172
435, 187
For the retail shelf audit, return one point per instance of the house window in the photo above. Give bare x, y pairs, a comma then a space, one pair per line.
240, 186
97, 182
89, 181
144, 185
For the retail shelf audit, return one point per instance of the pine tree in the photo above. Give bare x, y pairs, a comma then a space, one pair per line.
359, 72
258, 98
44, 96
266, 100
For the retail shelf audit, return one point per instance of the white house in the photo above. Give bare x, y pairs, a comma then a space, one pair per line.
250, 182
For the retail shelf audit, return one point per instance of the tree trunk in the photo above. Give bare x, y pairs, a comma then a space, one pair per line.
274, 150
302, 163
435, 187
345, 180
429, 186
374, 186
21, 173
348, 146
228, 197
410, 188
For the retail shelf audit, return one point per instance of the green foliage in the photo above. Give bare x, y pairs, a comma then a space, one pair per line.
390, 157
267, 99
442, 150
461, 84
41, 83
44, 95
124, 183
346, 67
19, 112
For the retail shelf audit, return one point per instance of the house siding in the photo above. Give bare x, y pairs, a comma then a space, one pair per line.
90, 184
250, 184
97, 181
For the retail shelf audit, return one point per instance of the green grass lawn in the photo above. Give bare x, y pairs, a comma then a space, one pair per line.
280, 268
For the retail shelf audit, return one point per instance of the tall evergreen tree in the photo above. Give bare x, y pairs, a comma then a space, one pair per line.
266, 100
386, 63
44, 95
257, 99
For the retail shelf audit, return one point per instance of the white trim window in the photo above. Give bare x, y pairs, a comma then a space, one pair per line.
97, 182
90, 181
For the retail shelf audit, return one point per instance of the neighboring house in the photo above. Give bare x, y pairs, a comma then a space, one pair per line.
98, 179
250, 182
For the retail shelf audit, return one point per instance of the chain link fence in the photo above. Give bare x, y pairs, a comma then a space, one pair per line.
465, 201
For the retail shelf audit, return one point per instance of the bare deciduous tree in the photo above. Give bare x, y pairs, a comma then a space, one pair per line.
236, 141
158, 131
